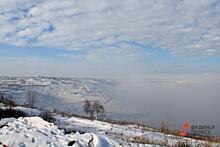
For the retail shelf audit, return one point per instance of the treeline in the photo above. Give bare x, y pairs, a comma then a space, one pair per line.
93, 109
7, 101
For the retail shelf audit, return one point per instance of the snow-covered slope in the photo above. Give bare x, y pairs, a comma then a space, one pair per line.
142, 100
66, 88
57, 92
75, 131
34, 131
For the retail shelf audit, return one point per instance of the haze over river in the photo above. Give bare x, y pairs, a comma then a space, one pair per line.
175, 99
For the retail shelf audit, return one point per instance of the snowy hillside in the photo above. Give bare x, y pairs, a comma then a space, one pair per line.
57, 92
66, 88
34, 131
144, 100
79, 132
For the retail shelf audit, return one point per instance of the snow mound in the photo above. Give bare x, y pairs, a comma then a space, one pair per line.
34, 131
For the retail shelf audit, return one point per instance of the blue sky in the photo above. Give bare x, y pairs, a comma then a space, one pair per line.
109, 38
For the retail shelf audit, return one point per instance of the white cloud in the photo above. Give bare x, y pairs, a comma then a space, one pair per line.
183, 27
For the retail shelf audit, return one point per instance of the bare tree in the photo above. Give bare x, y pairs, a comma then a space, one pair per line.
11, 101
99, 109
30, 98
87, 106
1, 98
94, 109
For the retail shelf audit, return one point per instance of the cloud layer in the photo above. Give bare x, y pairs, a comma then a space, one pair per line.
103, 28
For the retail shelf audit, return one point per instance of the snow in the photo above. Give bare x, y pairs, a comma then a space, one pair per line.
29, 111
53, 91
34, 131
71, 92
66, 88
102, 141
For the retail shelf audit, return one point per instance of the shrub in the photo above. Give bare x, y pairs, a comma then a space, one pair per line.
30, 99
99, 110
141, 140
96, 108
7, 101
183, 143
8, 113
87, 106
47, 116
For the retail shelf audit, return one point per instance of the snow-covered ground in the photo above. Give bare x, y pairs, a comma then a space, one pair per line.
56, 92
149, 100
34, 131
66, 88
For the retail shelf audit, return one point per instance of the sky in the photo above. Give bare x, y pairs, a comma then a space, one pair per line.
83, 38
